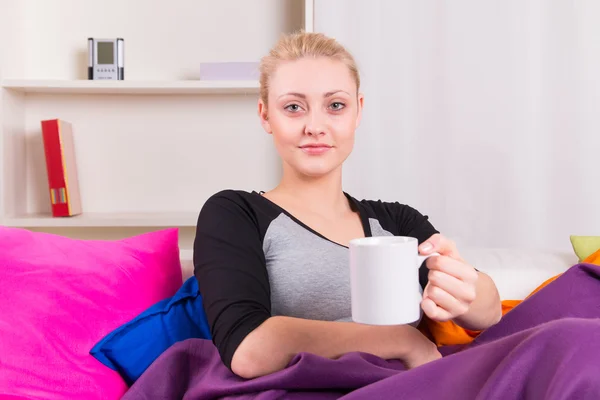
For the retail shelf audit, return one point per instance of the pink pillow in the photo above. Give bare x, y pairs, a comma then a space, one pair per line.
60, 296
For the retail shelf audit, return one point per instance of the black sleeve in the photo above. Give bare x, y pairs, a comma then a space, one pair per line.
230, 267
411, 222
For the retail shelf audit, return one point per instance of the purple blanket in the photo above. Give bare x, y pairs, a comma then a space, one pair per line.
548, 347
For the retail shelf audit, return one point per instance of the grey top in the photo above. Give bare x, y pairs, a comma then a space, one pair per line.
302, 266
254, 260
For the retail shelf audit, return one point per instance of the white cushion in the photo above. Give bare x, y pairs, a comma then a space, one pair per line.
517, 272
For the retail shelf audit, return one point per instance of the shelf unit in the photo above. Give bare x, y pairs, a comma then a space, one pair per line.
130, 87
152, 148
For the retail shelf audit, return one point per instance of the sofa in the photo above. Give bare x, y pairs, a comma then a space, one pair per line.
65, 299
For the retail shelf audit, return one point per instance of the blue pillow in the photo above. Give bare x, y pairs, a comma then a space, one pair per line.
131, 348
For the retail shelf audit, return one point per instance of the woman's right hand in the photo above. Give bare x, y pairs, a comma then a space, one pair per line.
421, 350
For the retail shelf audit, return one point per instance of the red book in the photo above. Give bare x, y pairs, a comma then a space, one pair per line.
63, 181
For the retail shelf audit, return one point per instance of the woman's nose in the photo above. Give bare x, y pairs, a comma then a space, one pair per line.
315, 124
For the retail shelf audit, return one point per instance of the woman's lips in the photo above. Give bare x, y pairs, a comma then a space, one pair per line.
315, 149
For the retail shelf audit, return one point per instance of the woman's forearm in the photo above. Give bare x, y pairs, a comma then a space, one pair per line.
486, 309
271, 346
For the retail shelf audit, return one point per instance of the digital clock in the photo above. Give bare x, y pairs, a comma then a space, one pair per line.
106, 59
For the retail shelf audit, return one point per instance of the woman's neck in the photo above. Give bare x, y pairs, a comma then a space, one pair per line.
322, 195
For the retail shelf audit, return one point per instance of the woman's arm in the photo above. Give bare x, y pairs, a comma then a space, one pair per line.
456, 290
271, 346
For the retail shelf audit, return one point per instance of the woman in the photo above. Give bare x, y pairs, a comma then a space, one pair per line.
273, 267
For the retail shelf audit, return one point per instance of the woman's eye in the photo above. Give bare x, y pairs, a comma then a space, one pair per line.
293, 107
337, 106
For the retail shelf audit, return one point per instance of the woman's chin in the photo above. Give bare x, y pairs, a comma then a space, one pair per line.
317, 171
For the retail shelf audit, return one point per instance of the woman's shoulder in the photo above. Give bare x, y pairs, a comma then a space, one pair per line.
227, 195
237, 205
234, 198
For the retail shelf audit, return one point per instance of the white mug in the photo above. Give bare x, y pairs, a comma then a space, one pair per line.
384, 278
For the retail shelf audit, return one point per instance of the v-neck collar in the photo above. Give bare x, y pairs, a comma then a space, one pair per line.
354, 206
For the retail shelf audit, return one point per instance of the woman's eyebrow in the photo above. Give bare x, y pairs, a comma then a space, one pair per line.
334, 92
303, 96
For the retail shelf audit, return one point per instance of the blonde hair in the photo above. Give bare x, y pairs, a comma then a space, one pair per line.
295, 46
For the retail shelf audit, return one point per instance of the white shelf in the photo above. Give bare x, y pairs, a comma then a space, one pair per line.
94, 220
130, 87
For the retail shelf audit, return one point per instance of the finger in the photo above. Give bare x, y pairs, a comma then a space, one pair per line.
434, 312
452, 267
440, 244
461, 290
430, 245
446, 301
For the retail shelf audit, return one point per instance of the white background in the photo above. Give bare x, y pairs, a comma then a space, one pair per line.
483, 115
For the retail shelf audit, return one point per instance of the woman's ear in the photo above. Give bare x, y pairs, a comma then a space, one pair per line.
359, 107
264, 117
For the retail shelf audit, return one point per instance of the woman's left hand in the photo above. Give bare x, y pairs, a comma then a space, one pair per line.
452, 281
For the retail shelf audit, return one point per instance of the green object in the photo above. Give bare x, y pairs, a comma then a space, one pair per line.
584, 246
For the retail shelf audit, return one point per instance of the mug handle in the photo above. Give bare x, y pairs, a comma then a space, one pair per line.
421, 259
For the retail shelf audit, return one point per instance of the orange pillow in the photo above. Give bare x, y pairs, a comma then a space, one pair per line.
593, 258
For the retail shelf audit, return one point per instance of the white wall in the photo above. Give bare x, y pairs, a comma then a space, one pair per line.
483, 115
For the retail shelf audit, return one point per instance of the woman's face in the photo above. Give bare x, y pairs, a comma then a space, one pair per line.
313, 110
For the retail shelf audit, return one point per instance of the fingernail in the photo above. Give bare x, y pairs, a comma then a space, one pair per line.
426, 247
